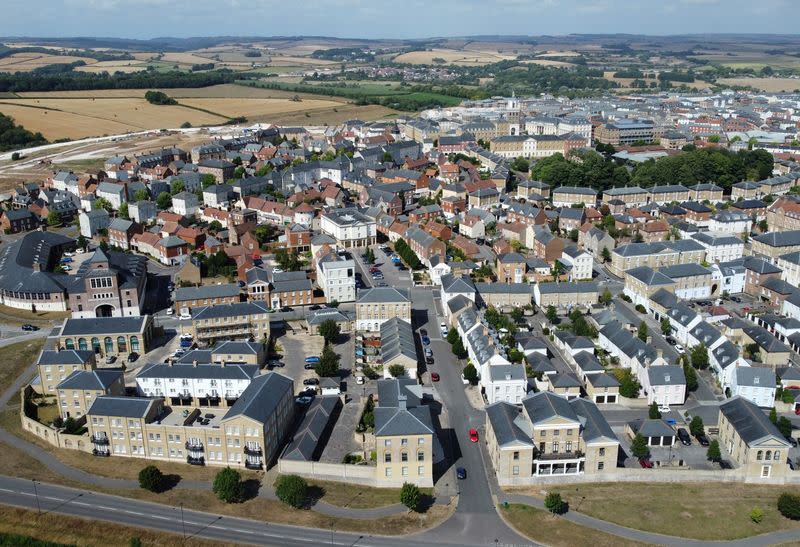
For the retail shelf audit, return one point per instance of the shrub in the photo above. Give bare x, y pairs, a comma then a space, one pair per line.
15, 156
409, 495
639, 447
640, 308
471, 374
554, 503
228, 485
291, 490
757, 515
789, 506
151, 478
713, 453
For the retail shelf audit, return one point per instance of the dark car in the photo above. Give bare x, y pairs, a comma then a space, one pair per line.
310, 382
702, 439
309, 366
286, 308
29, 327
132, 356
461, 473
684, 437
423, 332
792, 441
429, 360
426, 341
315, 307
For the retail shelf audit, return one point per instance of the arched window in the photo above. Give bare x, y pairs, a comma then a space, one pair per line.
69, 344
109, 344
768, 455
760, 455
420, 456
135, 343
122, 344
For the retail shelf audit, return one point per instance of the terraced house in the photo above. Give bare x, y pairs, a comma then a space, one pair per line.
239, 321
376, 305
247, 435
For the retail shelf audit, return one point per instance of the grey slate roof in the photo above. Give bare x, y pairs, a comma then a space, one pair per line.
755, 377
544, 405
261, 398
750, 422
502, 416
103, 325
307, 441
123, 407
595, 427
666, 375
98, 379
649, 276
228, 310
652, 428
397, 340
780, 239
678, 271
377, 295
563, 288
201, 371
65, 357
207, 291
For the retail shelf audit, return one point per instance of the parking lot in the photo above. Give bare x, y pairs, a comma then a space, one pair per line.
392, 275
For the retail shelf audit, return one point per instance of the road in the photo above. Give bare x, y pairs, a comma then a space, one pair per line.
476, 519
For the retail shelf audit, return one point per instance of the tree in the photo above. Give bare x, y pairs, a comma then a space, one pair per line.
573, 235
329, 329
757, 515
123, 211
215, 226
141, 195
641, 332
176, 187
458, 349
53, 218
291, 490
159, 98
551, 314
103, 203
207, 180
370, 256
784, 425
666, 328
773, 416
328, 363
696, 426
629, 386
699, 356
410, 495
452, 336
397, 370
691, 377
639, 447
81, 242
557, 270
606, 297
228, 485
521, 164
653, 412
789, 506
713, 454
164, 201
605, 254
554, 503
151, 478
471, 374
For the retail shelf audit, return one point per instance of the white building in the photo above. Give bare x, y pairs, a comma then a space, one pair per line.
730, 223
113, 192
336, 277
665, 385
185, 203
349, 227
790, 264
581, 263
756, 384
720, 246
730, 276
93, 221
504, 383
187, 383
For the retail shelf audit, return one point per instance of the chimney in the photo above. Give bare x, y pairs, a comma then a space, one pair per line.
194, 363
401, 402
222, 363
660, 353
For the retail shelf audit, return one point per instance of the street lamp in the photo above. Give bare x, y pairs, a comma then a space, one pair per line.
36, 494
183, 522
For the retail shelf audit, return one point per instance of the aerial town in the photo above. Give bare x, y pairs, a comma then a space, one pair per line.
510, 306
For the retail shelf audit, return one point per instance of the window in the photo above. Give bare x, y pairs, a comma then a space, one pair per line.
404, 471
760, 455
602, 451
421, 470
516, 455
543, 434
555, 447
568, 446
600, 466
420, 456
404, 456
765, 470
515, 470
388, 472
387, 457
777, 455
556, 432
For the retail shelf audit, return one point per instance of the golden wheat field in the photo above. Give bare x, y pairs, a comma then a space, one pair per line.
451, 56
257, 108
773, 85
547, 62
23, 62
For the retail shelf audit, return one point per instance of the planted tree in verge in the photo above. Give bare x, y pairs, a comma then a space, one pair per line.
291, 490
410, 495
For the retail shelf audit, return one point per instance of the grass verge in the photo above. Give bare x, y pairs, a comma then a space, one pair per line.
16, 358
65, 530
359, 497
689, 510
541, 526
27, 315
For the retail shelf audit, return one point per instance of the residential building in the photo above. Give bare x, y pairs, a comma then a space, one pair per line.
564, 295
376, 305
567, 196
756, 384
336, 277
398, 347
239, 321
580, 263
187, 298
196, 384
76, 393
664, 384
107, 336
55, 366
349, 227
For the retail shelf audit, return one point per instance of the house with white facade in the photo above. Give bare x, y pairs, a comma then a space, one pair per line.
720, 246
790, 264
723, 361
730, 222
665, 385
580, 261
195, 384
729, 276
92, 222
114, 192
336, 277
349, 227
185, 203
756, 384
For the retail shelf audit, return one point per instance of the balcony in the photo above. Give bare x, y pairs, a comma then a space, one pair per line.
98, 439
252, 451
199, 460
194, 446
561, 456
101, 453
252, 464
186, 396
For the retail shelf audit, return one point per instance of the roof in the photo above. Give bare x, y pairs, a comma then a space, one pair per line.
755, 377
595, 427
207, 291
652, 428
306, 441
65, 357
750, 422
397, 340
123, 407
684, 270
545, 405
507, 433
377, 295
567, 288
104, 325
262, 397
229, 310
649, 276
98, 379
788, 238
666, 375
212, 371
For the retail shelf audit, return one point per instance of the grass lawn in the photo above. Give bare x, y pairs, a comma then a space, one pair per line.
16, 358
359, 497
690, 510
541, 526
27, 315
67, 530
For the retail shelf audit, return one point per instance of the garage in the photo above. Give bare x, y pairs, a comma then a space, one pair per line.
656, 432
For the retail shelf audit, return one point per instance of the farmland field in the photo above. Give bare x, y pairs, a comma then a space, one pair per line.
254, 109
773, 85
547, 62
451, 56
113, 66
23, 62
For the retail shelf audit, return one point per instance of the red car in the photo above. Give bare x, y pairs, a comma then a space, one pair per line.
434, 377
473, 435
645, 463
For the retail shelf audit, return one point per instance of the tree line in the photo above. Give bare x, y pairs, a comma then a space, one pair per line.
79, 81
14, 136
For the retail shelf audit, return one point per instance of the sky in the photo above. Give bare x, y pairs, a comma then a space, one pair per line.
391, 19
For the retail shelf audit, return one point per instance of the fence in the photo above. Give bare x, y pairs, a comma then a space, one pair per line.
365, 475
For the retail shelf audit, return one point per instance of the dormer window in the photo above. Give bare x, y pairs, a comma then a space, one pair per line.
756, 380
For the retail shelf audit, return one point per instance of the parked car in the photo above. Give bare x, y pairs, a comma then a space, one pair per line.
132, 356
360, 380
169, 311
423, 332
434, 377
277, 270
461, 473
310, 382
429, 360
473, 435
443, 328
428, 352
663, 409
426, 341
304, 400
315, 307
382, 284
312, 359
110, 359
68, 253
702, 439
65, 260
684, 437
679, 348
645, 463
309, 366
29, 327
184, 316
